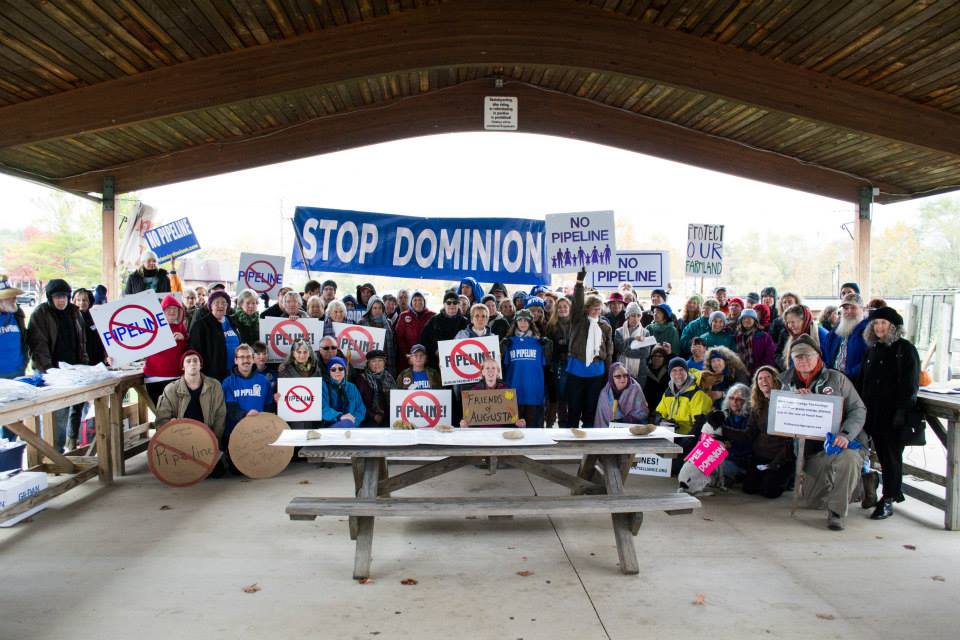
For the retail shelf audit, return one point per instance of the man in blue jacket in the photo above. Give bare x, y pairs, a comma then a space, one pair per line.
844, 347
246, 391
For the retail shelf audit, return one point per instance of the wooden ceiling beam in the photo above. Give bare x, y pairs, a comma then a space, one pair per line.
548, 32
460, 109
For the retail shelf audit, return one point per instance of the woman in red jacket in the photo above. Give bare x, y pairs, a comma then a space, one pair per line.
410, 324
163, 368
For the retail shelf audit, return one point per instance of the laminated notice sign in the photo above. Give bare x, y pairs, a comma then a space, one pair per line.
810, 415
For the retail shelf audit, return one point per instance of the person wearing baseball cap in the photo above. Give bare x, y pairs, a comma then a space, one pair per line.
342, 405
843, 346
443, 326
418, 375
889, 381
830, 478
194, 396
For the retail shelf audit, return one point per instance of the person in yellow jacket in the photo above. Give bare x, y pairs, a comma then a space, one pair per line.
685, 405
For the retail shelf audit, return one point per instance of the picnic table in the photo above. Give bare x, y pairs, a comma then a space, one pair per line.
596, 488
937, 406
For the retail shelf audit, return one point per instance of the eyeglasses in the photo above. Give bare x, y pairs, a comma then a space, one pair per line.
332, 369
328, 348
451, 303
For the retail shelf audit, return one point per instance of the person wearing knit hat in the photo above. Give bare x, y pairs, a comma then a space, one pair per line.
889, 381
194, 396
147, 276
719, 335
663, 328
734, 307
519, 299
849, 287
499, 291
754, 345
752, 299
374, 384
829, 478
685, 405
445, 325
342, 404
216, 336
626, 340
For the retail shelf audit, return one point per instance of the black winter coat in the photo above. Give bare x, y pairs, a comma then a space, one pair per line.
136, 283
440, 327
888, 382
206, 338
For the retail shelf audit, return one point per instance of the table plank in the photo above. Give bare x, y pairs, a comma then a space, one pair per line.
640, 446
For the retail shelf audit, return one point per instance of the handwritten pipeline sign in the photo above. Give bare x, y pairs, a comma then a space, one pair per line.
489, 249
708, 454
132, 328
578, 241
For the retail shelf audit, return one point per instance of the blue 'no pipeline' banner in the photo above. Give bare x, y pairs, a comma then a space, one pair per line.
489, 249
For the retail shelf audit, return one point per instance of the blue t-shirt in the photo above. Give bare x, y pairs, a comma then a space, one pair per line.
420, 380
12, 362
254, 392
232, 340
693, 364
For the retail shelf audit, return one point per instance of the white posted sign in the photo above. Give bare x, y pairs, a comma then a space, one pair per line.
260, 273
422, 408
499, 113
355, 341
704, 255
460, 360
279, 334
650, 464
300, 399
811, 415
642, 269
132, 328
580, 241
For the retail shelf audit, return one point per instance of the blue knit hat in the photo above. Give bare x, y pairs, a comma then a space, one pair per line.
337, 360
666, 309
533, 302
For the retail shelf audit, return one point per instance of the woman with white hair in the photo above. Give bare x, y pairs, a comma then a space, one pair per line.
315, 307
290, 306
246, 317
336, 312
147, 276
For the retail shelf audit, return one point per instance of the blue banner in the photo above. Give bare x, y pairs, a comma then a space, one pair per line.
172, 240
509, 250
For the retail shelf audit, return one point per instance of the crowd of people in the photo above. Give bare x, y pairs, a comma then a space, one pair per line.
574, 357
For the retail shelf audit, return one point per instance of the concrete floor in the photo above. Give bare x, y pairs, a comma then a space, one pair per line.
110, 563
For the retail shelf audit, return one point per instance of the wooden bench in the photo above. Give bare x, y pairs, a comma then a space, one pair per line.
311, 508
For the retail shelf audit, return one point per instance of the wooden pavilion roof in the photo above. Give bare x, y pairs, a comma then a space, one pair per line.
818, 95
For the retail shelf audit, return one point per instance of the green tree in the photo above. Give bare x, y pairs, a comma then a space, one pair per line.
940, 229
68, 245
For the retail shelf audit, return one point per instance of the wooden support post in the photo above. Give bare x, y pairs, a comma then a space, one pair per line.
364, 553
861, 240
622, 522
108, 220
102, 412
116, 433
33, 455
951, 520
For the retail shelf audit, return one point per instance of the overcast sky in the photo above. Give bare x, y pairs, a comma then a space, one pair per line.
481, 174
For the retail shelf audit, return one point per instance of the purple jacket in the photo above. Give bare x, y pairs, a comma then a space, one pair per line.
631, 406
764, 352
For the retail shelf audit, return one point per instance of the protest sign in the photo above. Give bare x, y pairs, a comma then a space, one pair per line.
642, 269
460, 360
708, 454
250, 449
279, 334
650, 464
490, 407
489, 249
704, 255
132, 328
423, 408
812, 415
172, 240
182, 452
260, 273
356, 341
578, 241
300, 399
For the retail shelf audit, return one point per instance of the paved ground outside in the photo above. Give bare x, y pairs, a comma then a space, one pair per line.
141, 560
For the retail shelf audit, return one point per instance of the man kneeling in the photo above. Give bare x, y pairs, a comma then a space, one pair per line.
830, 479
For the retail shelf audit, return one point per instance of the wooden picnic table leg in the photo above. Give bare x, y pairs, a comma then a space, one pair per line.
104, 436
951, 516
116, 433
622, 522
587, 471
364, 554
357, 466
384, 474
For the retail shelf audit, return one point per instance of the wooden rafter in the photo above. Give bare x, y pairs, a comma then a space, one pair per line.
459, 109
482, 31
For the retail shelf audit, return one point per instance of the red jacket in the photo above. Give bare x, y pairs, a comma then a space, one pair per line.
407, 333
166, 364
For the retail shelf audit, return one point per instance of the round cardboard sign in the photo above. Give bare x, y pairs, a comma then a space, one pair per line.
250, 446
182, 452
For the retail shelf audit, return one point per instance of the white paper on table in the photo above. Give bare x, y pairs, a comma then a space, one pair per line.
365, 437
484, 437
948, 388
613, 433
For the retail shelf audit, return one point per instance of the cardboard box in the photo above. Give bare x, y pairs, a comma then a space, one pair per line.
19, 488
